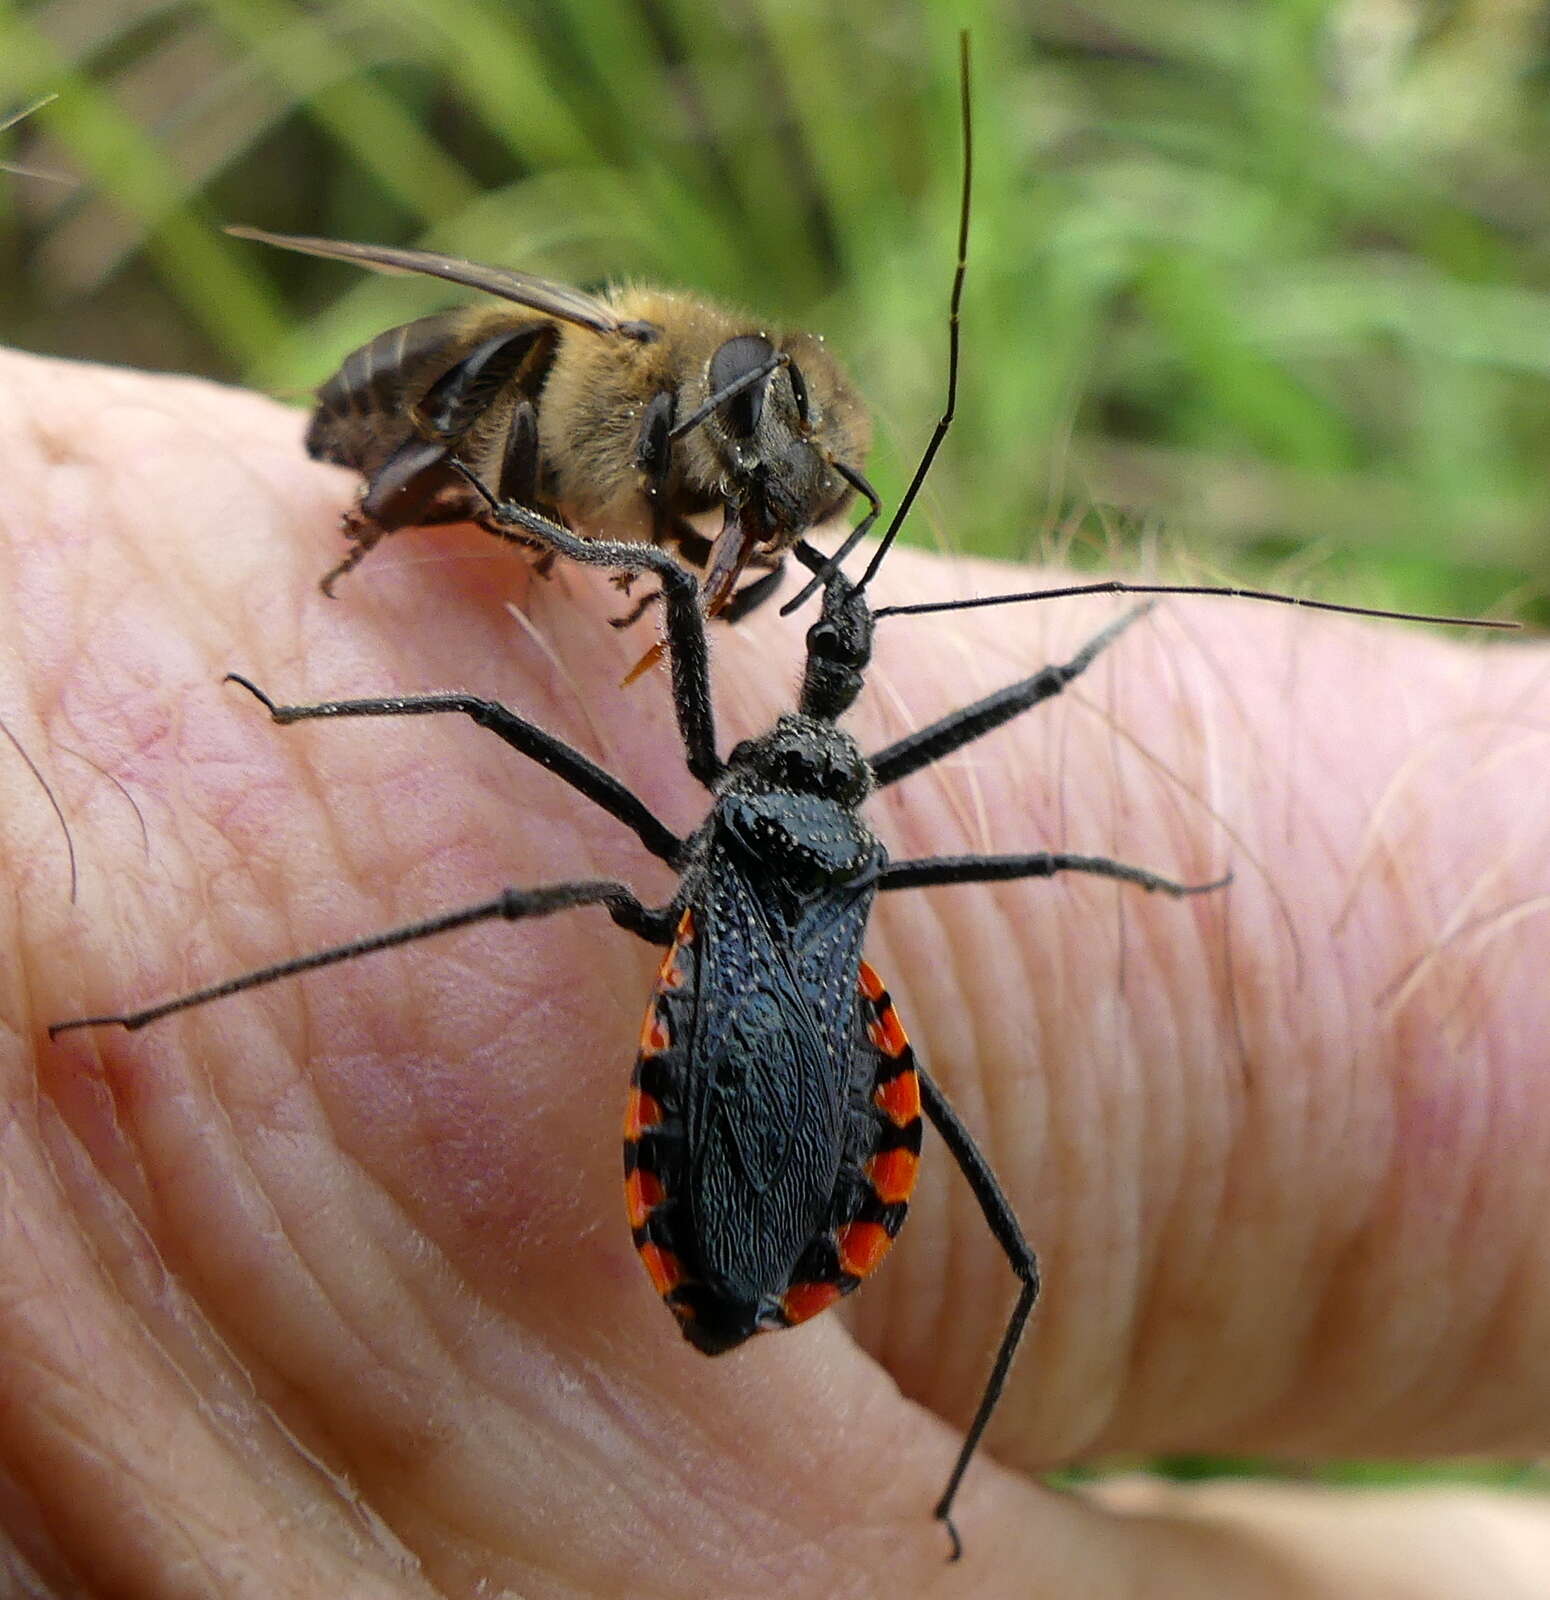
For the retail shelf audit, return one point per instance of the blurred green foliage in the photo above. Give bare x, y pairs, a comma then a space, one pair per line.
1272, 279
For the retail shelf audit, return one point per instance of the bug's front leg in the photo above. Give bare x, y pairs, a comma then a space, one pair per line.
685, 627
566, 763
952, 732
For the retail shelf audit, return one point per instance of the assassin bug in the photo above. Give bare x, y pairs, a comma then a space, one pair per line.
773, 1125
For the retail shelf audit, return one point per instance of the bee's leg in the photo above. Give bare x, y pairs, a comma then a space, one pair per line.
753, 595
520, 459
397, 495
654, 460
363, 533
666, 527
694, 547
654, 444
636, 611
454, 404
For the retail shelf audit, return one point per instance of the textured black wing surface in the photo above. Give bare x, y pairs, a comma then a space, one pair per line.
772, 1053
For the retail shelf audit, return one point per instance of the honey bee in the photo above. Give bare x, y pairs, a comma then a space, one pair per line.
633, 410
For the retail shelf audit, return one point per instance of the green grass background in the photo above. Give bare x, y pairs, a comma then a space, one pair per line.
1260, 290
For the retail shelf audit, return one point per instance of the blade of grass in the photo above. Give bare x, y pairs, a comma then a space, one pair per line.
232, 306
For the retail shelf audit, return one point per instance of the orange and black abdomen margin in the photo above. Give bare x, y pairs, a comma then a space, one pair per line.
871, 1199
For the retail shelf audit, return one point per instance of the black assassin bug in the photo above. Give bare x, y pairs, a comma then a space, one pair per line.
773, 1126
772, 1130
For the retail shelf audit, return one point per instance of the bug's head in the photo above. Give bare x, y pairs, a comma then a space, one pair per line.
839, 648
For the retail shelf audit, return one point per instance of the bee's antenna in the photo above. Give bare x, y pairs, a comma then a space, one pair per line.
858, 482
729, 391
946, 419
1119, 586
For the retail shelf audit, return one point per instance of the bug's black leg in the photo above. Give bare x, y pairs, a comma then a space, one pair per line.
928, 870
952, 732
511, 905
684, 626
567, 764
1002, 1222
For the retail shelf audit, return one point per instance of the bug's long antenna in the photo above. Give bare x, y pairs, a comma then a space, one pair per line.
945, 421
1119, 586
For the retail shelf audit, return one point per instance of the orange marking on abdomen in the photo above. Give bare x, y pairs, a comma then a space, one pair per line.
871, 985
641, 1111
862, 1245
662, 1267
654, 1035
804, 1300
892, 1175
887, 1033
643, 1193
899, 1099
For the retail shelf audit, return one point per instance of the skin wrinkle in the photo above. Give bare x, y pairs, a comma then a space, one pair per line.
726, 1502
65, 1373
1462, 917
1248, 1080
174, 1324
377, 1361
1174, 1200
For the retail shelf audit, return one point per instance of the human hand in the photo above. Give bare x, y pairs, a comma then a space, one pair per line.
326, 1289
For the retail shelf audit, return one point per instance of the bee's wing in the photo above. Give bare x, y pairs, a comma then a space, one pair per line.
553, 299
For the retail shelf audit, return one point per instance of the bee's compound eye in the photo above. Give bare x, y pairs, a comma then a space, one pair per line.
737, 360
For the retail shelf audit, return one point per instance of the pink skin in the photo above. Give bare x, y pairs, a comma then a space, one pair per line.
327, 1289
